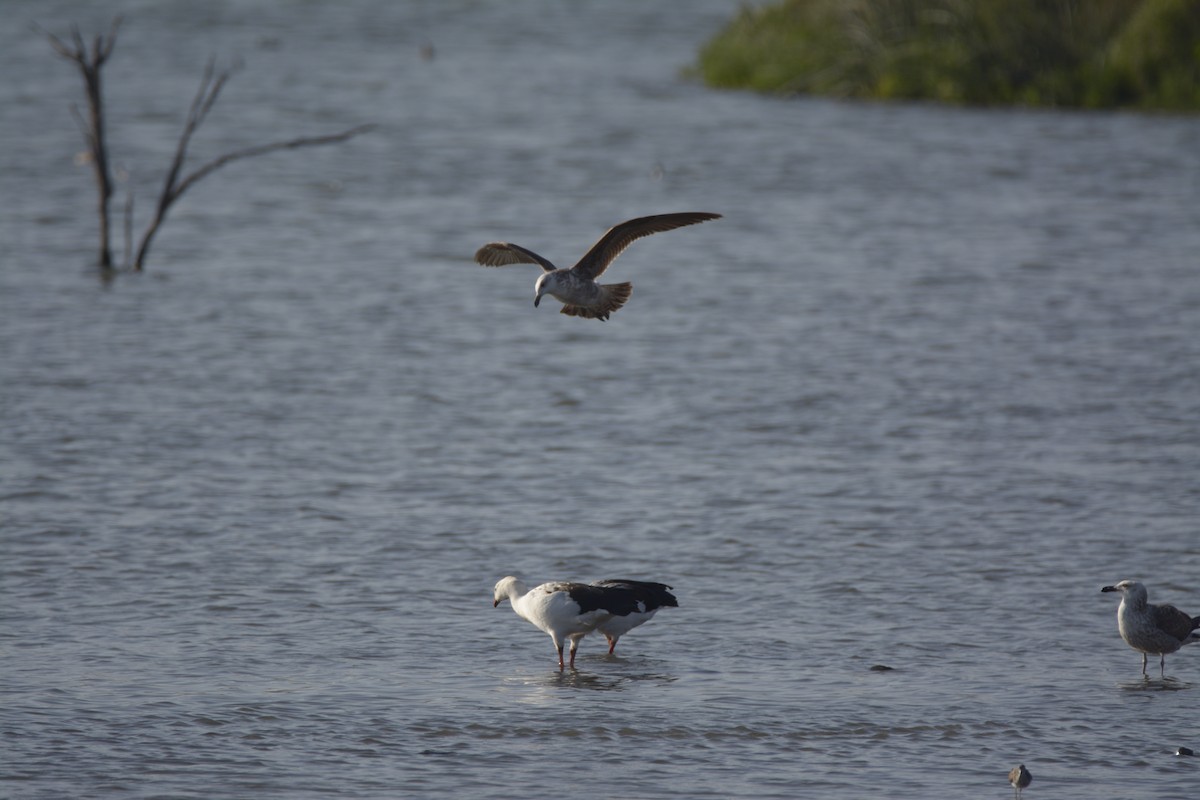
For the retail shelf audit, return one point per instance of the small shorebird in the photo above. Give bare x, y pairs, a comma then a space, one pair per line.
1019, 777
1150, 628
649, 596
576, 288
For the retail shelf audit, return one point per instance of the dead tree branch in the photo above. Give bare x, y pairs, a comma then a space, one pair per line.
174, 186
175, 183
89, 64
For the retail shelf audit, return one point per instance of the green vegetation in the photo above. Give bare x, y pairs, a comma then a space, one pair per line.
1084, 53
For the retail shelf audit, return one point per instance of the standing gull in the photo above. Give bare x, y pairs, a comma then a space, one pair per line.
1019, 777
576, 288
565, 610
649, 596
1150, 628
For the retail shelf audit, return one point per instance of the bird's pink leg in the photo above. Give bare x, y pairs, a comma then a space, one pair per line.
574, 643
612, 645
560, 657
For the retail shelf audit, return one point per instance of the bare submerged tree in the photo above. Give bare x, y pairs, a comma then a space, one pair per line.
175, 183
93, 129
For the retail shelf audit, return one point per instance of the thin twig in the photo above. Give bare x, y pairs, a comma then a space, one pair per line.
83, 128
128, 221
263, 149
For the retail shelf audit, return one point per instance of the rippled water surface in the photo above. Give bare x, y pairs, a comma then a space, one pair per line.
931, 382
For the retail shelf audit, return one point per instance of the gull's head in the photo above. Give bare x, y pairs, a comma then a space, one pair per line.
506, 589
547, 283
1128, 589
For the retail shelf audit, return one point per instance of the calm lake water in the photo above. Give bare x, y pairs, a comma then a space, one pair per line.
932, 382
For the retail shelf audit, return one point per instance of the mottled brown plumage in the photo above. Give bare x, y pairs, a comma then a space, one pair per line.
1019, 778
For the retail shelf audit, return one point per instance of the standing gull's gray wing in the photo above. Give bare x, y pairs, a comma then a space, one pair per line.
1171, 620
499, 254
618, 237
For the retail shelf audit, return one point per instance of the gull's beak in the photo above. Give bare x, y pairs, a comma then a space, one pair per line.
1109, 589
537, 298
495, 603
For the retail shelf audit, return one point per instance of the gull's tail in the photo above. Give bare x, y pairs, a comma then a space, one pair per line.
612, 297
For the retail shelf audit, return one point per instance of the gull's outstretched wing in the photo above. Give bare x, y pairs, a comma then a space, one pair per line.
500, 254
618, 237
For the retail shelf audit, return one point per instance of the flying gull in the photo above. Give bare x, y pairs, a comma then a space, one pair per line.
1019, 778
1150, 628
576, 288
565, 610
650, 597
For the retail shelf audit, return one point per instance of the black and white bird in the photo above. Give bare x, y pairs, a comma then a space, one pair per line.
1019, 778
650, 597
1151, 628
576, 288
565, 610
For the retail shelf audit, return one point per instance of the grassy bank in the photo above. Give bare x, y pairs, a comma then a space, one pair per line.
1082, 53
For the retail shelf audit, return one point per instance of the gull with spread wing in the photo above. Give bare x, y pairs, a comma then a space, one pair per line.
576, 288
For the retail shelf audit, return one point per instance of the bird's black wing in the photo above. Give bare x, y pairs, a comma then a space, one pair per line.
652, 595
618, 601
501, 254
618, 237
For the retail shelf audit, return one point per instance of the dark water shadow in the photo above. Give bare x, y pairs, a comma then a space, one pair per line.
578, 679
1148, 684
611, 673
636, 670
